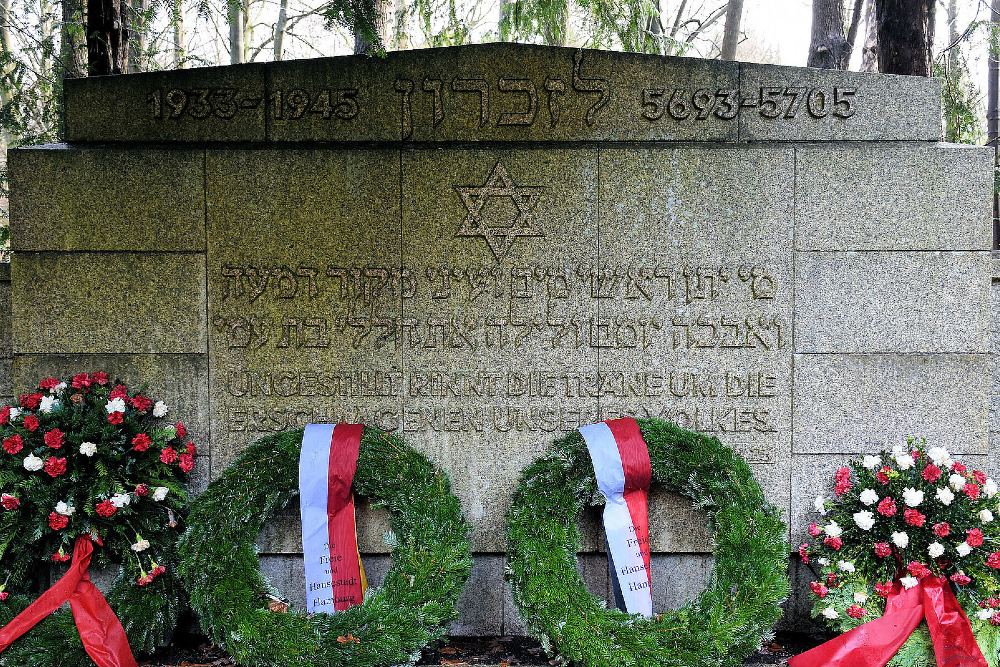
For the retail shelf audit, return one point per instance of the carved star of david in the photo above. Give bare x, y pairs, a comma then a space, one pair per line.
500, 237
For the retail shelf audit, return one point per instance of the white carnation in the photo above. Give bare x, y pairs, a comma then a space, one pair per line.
120, 500
830, 613
944, 495
845, 566
871, 462
909, 582
865, 520
64, 508
820, 505
985, 516
957, 481
939, 455
823, 561
963, 549
117, 405
160, 409
58, 389
900, 539
15, 413
832, 529
32, 463
48, 404
912, 497
160, 493
904, 461
868, 497
985, 614
860, 597
88, 449
990, 487
141, 545
935, 550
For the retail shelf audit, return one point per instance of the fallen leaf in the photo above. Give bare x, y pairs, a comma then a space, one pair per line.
448, 650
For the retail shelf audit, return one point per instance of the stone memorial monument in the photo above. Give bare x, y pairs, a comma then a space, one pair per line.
485, 246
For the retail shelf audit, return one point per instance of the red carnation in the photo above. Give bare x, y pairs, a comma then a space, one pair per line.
4, 595
961, 579
158, 570
5, 414
959, 468
116, 418
9, 502
883, 474
55, 466
31, 423
30, 401
971, 490
191, 448
48, 384
993, 560
931, 473
914, 518
144, 580
974, 537
168, 455
59, 557
141, 442
979, 476
842, 481
887, 507
883, 589
13, 444
819, 589
804, 552
856, 611
186, 463
142, 490
941, 529
995, 619
80, 381
831, 579
883, 550
100, 377
814, 530
918, 570
834, 543
54, 439
119, 391
106, 508
141, 403
181, 429
57, 521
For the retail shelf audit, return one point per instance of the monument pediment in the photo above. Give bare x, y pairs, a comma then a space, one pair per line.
502, 92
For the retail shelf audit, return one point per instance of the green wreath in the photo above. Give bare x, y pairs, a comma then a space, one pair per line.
431, 560
724, 625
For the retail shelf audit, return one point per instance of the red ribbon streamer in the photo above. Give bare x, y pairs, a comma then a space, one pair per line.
100, 630
874, 643
638, 475
345, 563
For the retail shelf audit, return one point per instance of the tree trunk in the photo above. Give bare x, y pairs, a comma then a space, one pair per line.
72, 48
852, 30
177, 21
107, 37
137, 49
828, 45
555, 33
731, 36
905, 36
237, 47
279, 30
369, 25
5, 51
654, 27
869, 53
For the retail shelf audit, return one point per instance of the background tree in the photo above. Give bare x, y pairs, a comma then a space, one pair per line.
905, 36
731, 36
830, 47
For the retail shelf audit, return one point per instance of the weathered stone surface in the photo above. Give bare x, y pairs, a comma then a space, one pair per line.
893, 197
892, 302
109, 303
502, 92
201, 104
179, 380
805, 104
481, 606
293, 334
864, 403
593, 568
283, 533
107, 199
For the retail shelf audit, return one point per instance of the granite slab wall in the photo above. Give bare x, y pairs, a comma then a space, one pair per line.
487, 246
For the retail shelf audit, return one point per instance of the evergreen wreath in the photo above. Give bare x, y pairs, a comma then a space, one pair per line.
431, 560
725, 624
902, 515
90, 457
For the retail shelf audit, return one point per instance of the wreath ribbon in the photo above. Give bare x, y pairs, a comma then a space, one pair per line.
100, 630
876, 642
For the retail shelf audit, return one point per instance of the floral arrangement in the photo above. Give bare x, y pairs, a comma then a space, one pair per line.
896, 518
89, 456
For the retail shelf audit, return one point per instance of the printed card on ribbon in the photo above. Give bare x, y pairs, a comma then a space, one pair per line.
335, 576
623, 471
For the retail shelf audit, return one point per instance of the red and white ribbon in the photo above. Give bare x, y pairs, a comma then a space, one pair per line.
335, 577
623, 471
